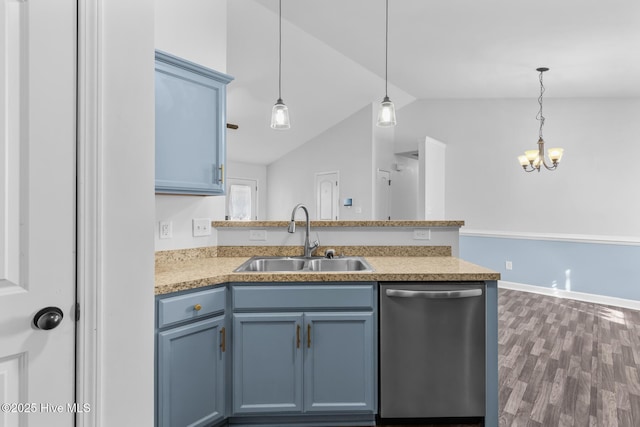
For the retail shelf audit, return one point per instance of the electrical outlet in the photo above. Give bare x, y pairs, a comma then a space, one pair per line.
508, 265
166, 229
201, 227
260, 235
422, 234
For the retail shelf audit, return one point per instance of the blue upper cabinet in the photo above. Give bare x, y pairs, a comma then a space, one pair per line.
190, 127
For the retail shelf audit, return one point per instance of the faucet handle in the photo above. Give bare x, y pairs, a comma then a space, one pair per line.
330, 253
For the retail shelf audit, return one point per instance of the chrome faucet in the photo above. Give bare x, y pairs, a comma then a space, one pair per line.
308, 247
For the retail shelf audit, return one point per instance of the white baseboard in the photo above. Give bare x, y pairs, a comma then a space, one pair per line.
579, 296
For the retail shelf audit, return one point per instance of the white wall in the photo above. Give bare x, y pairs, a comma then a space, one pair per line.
252, 171
195, 30
593, 192
346, 147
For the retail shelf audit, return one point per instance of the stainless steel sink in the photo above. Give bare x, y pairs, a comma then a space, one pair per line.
286, 264
272, 264
339, 264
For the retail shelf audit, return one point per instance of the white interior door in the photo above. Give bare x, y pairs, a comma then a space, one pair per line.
327, 195
37, 210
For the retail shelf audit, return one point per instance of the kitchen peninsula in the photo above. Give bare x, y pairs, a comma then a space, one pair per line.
240, 308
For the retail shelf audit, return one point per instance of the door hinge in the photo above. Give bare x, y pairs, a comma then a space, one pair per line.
77, 309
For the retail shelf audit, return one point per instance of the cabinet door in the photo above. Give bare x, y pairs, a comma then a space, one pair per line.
190, 127
191, 379
339, 362
267, 363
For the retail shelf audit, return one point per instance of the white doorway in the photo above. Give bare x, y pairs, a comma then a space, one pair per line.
242, 199
37, 211
383, 194
327, 195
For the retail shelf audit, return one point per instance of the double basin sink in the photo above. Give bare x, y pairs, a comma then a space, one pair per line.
301, 264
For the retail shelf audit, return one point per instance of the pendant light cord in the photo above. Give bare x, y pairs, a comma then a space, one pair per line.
386, 48
540, 117
280, 52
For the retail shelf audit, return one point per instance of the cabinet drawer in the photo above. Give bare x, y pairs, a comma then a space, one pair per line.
190, 306
303, 297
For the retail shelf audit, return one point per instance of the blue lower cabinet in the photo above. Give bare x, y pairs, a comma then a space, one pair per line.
339, 367
191, 374
303, 363
267, 363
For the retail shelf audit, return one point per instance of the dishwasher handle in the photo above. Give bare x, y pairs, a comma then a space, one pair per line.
463, 293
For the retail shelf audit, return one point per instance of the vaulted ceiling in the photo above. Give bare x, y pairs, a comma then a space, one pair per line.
333, 58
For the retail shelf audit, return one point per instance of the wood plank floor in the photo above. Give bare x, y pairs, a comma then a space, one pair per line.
566, 363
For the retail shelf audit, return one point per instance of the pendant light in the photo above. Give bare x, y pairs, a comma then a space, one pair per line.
387, 112
280, 112
533, 159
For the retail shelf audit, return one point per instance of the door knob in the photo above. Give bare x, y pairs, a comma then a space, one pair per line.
48, 318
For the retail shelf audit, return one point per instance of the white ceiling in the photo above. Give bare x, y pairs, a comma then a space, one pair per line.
333, 58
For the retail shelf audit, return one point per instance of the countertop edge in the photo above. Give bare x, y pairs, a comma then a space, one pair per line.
289, 277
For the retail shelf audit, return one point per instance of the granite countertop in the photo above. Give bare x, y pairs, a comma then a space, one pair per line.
194, 273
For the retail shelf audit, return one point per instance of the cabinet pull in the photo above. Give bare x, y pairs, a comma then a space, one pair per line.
297, 336
197, 307
309, 335
221, 173
223, 339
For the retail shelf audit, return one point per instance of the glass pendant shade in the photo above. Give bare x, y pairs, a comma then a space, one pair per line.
523, 160
531, 154
280, 116
555, 154
387, 113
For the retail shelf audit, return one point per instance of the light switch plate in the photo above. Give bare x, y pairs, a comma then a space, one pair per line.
201, 227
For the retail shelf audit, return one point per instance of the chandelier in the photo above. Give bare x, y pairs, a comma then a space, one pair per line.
533, 159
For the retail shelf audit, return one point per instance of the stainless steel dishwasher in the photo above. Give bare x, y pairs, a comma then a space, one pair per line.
432, 350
